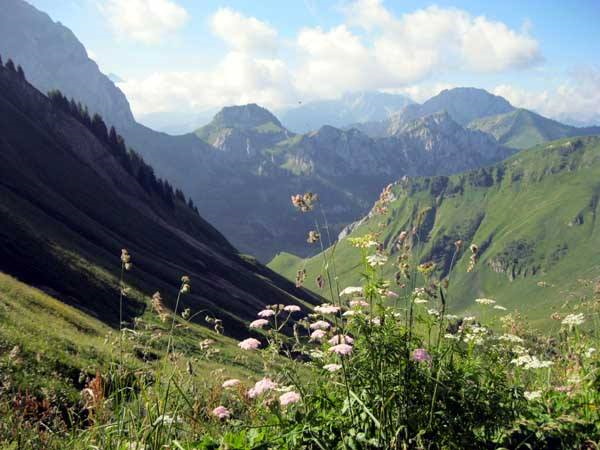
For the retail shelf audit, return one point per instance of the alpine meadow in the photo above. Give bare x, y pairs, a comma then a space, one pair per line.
349, 225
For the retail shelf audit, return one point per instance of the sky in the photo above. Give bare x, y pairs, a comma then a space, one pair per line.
196, 55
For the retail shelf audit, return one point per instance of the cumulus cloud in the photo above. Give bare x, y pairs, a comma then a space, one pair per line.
147, 21
574, 101
371, 49
244, 33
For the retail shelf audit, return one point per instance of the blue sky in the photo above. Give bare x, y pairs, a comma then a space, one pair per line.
191, 55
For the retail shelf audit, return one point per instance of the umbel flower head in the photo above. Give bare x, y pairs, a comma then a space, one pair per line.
221, 412
288, 398
249, 344
261, 386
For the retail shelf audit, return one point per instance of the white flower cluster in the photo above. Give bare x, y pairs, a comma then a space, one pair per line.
532, 395
377, 260
510, 338
573, 319
474, 334
485, 301
530, 362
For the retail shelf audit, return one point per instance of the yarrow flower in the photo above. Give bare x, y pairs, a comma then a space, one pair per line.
340, 338
261, 386
510, 338
317, 335
249, 344
266, 313
341, 349
377, 260
420, 355
259, 323
292, 308
230, 383
573, 319
352, 290
485, 301
530, 362
320, 325
332, 367
289, 398
501, 308
327, 308
366, 241
221, 412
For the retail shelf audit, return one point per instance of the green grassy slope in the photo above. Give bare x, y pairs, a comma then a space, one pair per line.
58, 345
524, 129
533, 216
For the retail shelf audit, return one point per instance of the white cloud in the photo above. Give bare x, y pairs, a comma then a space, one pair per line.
147, 21
423, 91
372, 49
575, 100
244, 33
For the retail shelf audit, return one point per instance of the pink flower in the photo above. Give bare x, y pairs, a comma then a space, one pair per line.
317, 335
249, 344
261, 386
391, 294
341, 349
420, 355
358, 304
221, 412
320, 325
288, 398
341, 338
230, 383
266, 313
259, 323
332, 367
292, 308
327, 308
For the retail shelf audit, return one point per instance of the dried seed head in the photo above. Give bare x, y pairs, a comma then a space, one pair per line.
313, 236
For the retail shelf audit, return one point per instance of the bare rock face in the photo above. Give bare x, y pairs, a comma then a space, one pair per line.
53, 58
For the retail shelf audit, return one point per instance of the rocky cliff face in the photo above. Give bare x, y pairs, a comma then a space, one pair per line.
53, 58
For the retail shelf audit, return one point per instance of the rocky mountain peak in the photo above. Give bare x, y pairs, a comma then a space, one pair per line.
244, 117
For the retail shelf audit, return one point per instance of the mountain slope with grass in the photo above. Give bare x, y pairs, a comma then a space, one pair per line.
523, 129
72, 197
534, 218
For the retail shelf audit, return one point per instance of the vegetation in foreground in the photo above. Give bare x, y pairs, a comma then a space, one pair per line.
381, 365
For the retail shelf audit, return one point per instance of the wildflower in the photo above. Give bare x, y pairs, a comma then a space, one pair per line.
304, 202
573, 319
259, 323
300, 277
313, 236
352, 290
451, 317
291, 308
530, 362
402, 237
376, 321
249, 344
366, 241
332, 367
451, 336
266, 313
185, 288
320, 281
426, 268
391, 294
485, 301
221, 412
317, 335
468, 319
341, 349
327, 308
474, 256
589, 352
510, 338
501, 308
320, 325
350, 313
420, 301
125, 257
420, 355
260, 387
339, 338
377, 260
433, 312
230, 383
358, 304
532, 395
186, 313
289, 398
458, 244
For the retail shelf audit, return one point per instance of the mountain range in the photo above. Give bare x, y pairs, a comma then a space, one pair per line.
533, 217
72, 196
241, 169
